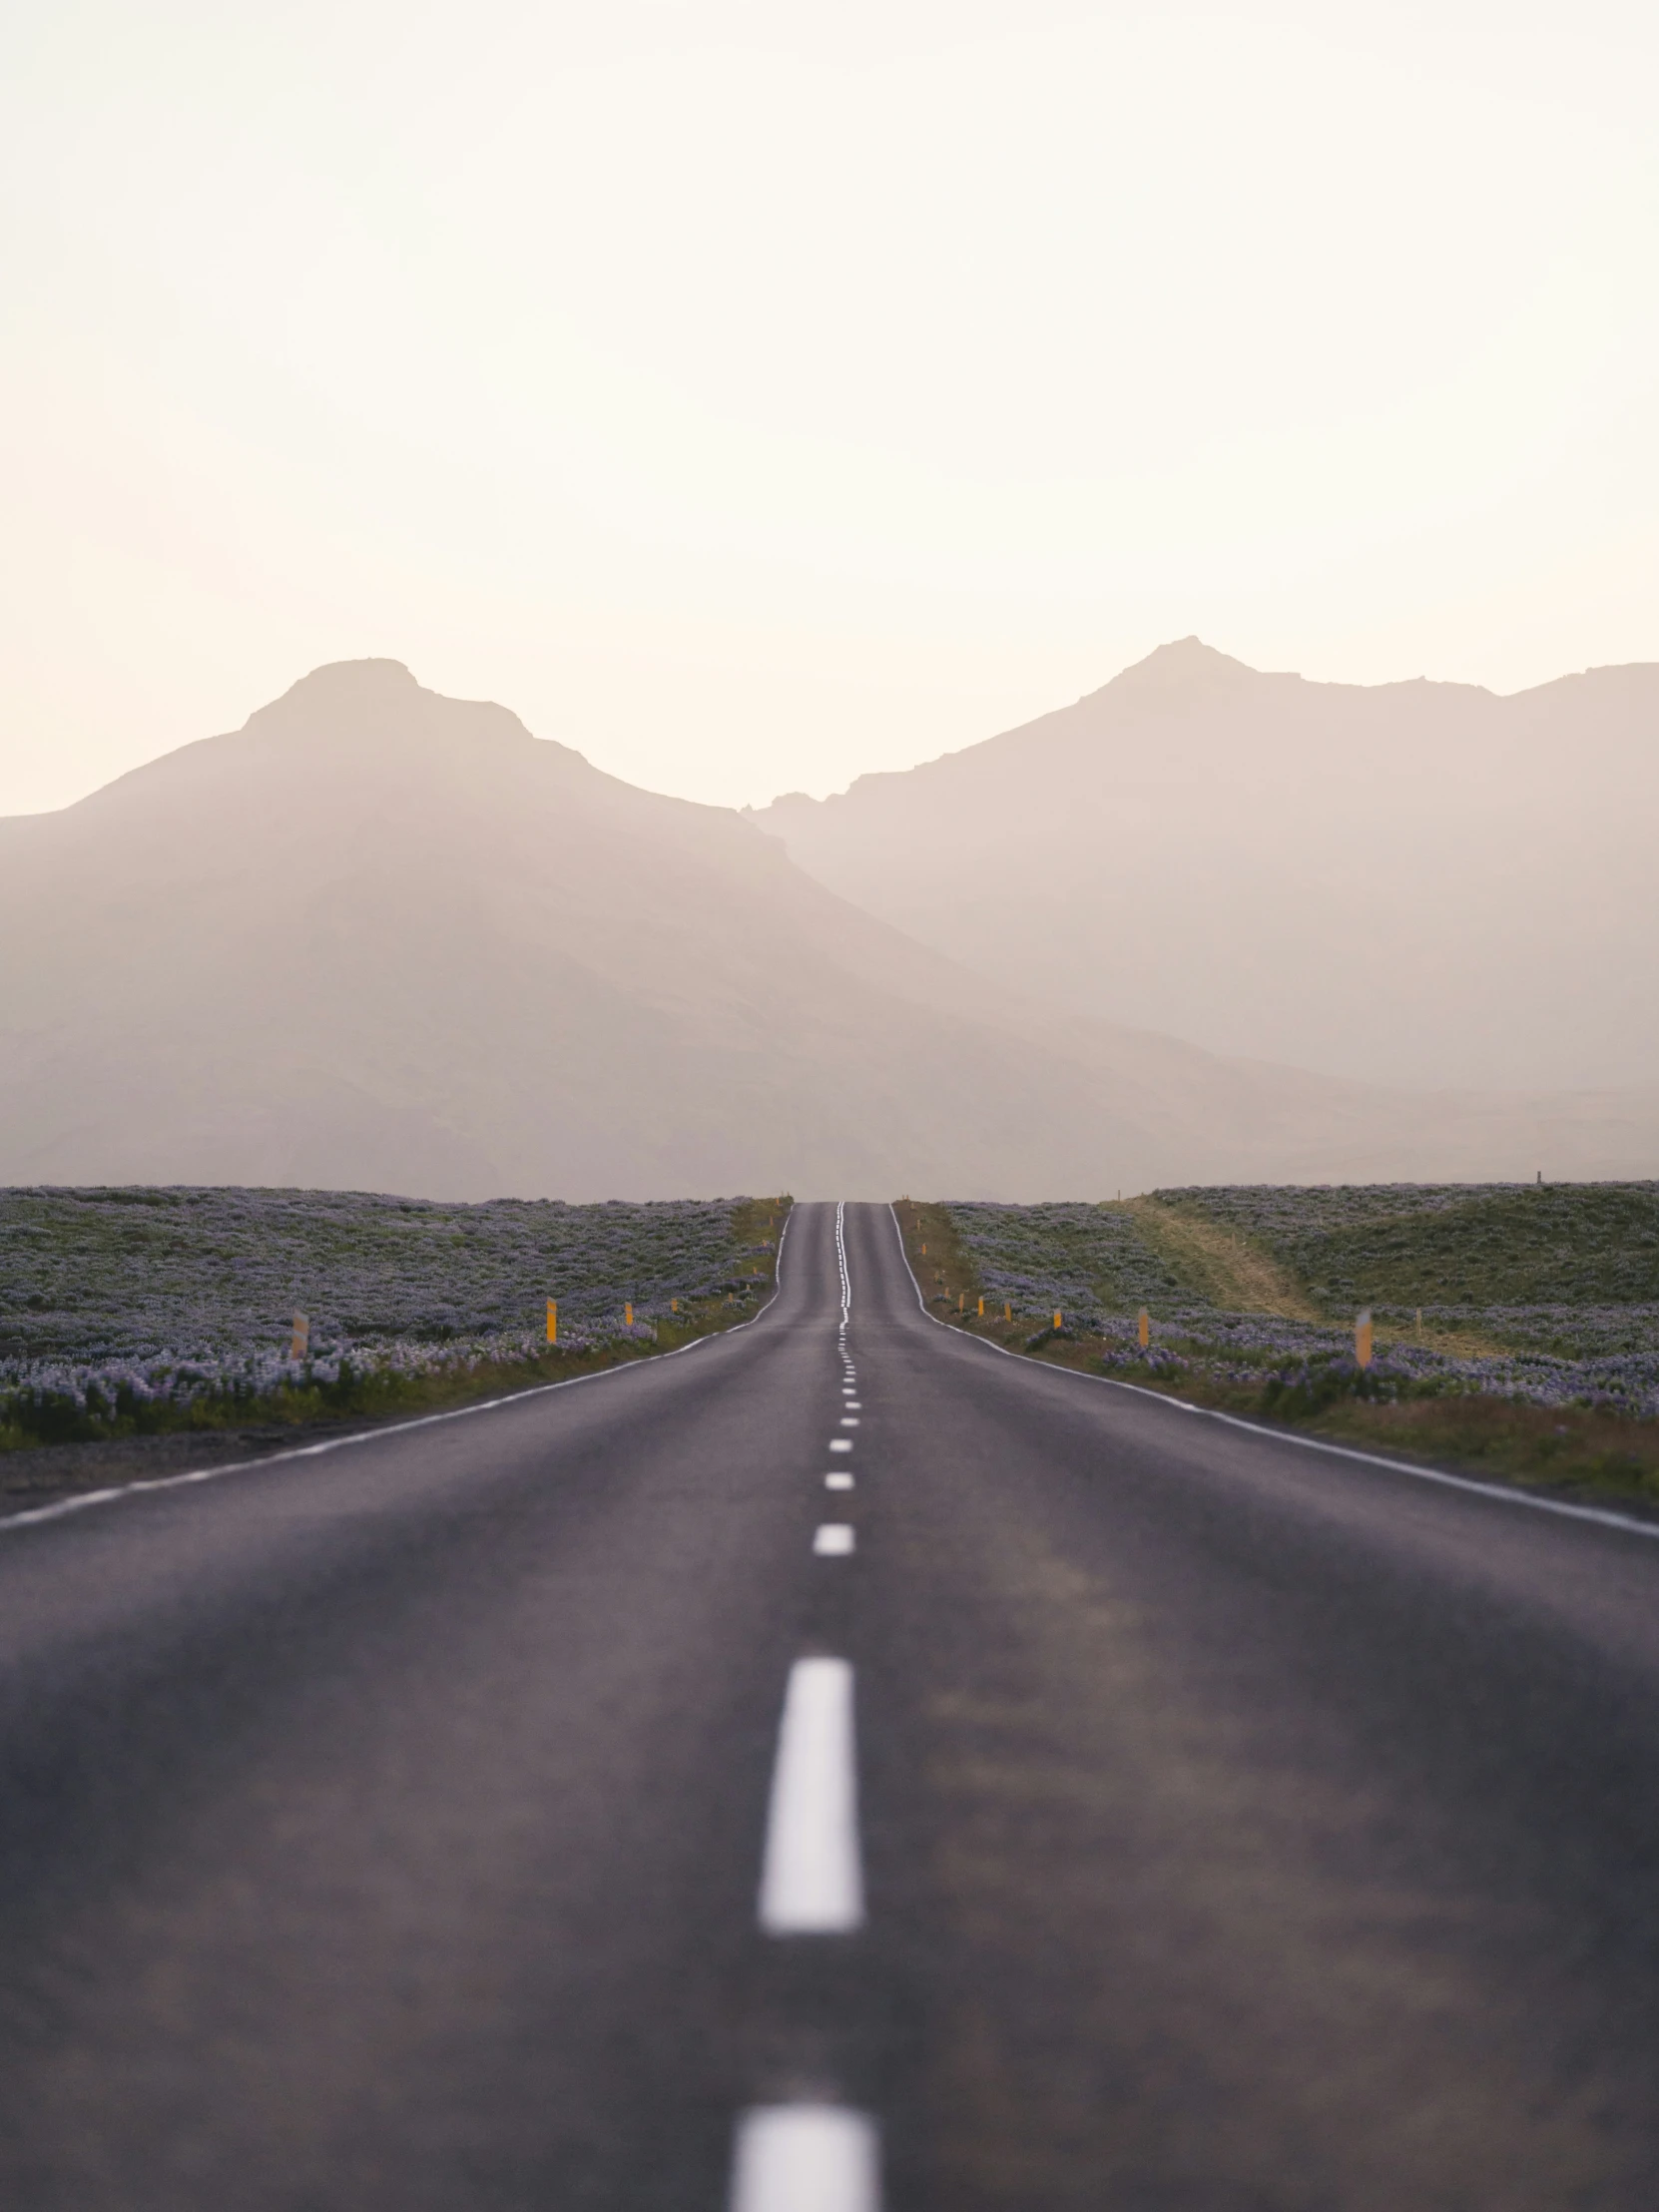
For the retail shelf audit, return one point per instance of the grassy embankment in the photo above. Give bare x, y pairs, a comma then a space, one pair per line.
364, 1392
1513, 1250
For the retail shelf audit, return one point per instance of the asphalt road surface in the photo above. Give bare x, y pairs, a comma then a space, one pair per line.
531, 1808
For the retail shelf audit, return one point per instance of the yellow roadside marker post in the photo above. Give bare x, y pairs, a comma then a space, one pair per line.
1361, 1337
981, 1308
961, 1301
301, 1338
552, 1320
1007, 1311
674, 1305
1056, 1317
1143, 1329
627, 1316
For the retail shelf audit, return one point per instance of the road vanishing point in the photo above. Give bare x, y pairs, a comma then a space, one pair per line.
837, 1765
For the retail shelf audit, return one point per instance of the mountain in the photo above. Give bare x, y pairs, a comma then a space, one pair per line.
1419, 883
378, 938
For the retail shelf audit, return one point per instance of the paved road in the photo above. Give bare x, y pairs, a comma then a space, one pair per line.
1236, 1826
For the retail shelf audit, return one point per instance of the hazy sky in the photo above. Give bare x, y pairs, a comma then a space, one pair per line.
754, 395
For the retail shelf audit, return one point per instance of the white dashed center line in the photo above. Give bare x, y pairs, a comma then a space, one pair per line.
812, 1882
806, 2158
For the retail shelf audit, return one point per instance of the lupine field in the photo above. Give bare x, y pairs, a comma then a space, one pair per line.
147, 1299
1550, 1293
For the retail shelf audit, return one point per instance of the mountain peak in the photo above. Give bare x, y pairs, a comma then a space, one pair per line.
347, 701
354, 679
1184, 664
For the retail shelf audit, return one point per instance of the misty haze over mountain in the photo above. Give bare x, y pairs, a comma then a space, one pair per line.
1416, 882
379, 938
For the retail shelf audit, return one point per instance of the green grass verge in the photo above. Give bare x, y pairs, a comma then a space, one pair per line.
370, 1395
1569, 1448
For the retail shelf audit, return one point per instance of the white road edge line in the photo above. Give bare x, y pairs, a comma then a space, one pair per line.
62, 1506
811, 1877
1558, 1507
806, 2158
834, 1540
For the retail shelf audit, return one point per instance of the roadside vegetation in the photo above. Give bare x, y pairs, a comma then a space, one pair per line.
1516, 1327
144, 1311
